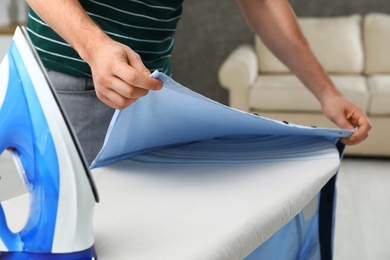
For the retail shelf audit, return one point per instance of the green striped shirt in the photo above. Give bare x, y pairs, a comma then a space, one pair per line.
146, 26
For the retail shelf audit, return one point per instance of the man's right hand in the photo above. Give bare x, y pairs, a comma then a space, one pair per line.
119, 75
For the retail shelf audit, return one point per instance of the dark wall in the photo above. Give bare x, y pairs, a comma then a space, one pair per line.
207, 32
338, 7
210, 29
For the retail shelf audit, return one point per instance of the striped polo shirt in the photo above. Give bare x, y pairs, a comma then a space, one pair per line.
146, 26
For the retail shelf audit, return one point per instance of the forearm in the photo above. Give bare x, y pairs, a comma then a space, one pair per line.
71, 22
275, 23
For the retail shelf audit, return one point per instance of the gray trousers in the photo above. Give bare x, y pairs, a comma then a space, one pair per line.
89, 116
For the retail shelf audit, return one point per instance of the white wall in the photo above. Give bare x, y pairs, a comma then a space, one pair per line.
13, 11
5, 42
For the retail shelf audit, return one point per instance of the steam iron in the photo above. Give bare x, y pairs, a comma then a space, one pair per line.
36, 131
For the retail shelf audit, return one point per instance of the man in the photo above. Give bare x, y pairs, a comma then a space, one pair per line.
118, 43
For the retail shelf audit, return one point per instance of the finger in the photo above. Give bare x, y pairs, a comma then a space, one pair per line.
360, 121
127, 91
137, 79
342, 122
115, 100
352, 140
135, 62
362, 131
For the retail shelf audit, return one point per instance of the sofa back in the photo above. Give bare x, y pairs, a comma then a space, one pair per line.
377, 43
340, 44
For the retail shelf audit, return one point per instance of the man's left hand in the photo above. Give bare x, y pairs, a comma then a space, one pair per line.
347, 115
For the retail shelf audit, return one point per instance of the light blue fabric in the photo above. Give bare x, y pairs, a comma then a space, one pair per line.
178, 126
176, 115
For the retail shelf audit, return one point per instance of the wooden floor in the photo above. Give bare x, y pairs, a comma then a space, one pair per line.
362, 213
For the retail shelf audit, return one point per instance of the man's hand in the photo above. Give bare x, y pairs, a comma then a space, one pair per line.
119, 75
275, 23
347, 116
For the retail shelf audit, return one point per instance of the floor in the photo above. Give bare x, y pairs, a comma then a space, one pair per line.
363, 208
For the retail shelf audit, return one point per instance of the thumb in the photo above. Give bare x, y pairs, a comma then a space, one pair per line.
337, 109
135, 61
342, 122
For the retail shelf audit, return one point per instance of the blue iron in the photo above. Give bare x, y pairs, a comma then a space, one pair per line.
62, 192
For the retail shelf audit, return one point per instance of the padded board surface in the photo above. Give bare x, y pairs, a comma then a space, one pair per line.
197, 211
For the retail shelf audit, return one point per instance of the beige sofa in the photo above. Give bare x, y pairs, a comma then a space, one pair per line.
354, 50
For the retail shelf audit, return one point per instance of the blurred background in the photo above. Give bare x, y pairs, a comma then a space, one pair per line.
207, 33
210, 30
13, 12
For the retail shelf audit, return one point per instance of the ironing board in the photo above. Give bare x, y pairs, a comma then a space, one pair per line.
184, 177
205, 211
202, 211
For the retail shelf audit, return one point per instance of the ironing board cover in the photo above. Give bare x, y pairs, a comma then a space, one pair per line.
176, 115
185, 177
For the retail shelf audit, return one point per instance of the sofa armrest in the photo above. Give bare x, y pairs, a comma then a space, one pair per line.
237, 73
240, 68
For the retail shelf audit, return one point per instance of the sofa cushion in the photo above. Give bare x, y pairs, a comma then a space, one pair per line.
335, 41
287, 93
379, 86
377, 43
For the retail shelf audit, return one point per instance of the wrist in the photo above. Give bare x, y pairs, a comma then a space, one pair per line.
90, 45
329, 94
326, 93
